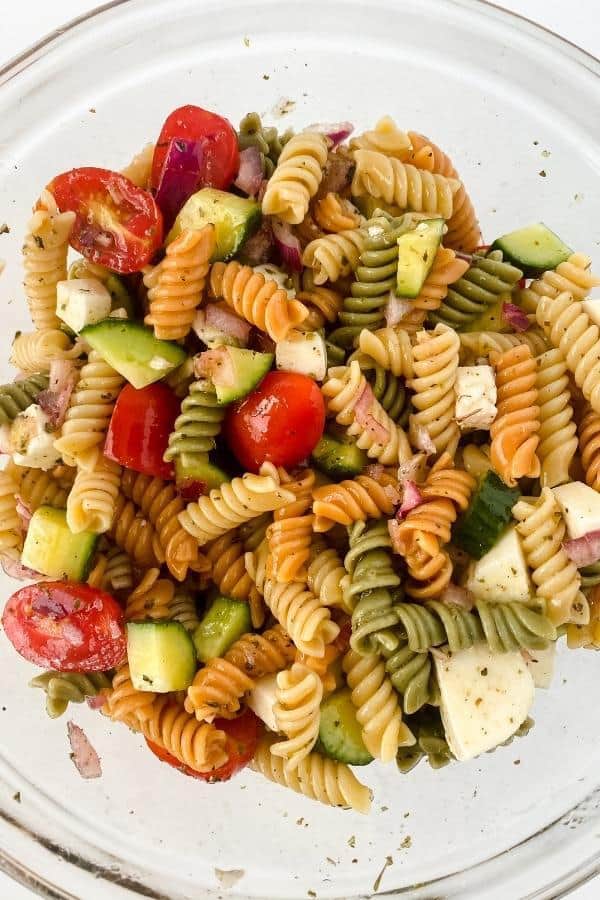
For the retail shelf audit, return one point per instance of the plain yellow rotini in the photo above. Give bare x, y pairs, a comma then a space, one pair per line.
258, 300
37, 487
435, 361
569, 328
344, 387
228, 572
296, 178
405, 185
558, 432
90, 408
317, 777
297, 713
477, 344
377, 708
183, 607
385, 138
234, 502
447, 268
323, 306
151, 599
92, 500
334, 213
133, 533
290, 533
589, 446
574, 276
45, 260
390, 348
118, 575
515, 430
140, 167
557, 582
333, 256
325, 574
176, 284
322, 666
33, 351
11, 528
354, 500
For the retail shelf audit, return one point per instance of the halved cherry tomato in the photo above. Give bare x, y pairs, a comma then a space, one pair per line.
281, 421
221, 158
66, 626
139, 429
242, 739
118, 224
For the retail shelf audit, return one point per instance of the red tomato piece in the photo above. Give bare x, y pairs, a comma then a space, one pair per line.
139, 429
281, 421
118, 224
221, 158
66, 626
242, 739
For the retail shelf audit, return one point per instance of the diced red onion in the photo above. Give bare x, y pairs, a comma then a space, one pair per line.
96, 702
396, 309
422, 440
15, 569
412, 469
584, 550
217, 365
288, 246
411, 498
336, 131
87, 761
219, 316
250, 174
181, 176
364, 417
454, 595
54, 401
515, 316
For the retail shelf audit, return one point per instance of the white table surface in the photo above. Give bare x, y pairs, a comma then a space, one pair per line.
25, 21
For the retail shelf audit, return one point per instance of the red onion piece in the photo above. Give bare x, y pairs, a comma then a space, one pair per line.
411, 498
96, 702
364, 417
422, 440
15, 569
87, 761
288, 246
218, 315
54, 401
396, 309
412, 469
181, 176
584, 550
336, 131
515, 317
454, 595
250, 174
217, 365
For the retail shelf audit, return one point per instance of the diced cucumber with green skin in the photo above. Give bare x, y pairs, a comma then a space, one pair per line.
534, 249
52, 549
161, 656
235, 219
339, 459
120, 296
486, 518
247, 369
133, 351
416, 255
224, 622
491, 319
340, 734
192, 468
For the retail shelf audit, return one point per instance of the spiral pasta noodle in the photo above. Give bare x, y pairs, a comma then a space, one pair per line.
481, 343
323, 305
90, 408
118, 575
33, 351
45, 260
325, 574
388, 389
176, 284
354, 500
321, 666
385, 138
570, 330
197, 425
133, 533
140, 167
515, 430
62, 688
589, 445
92, 499
296, 178
258, 300
334, 213
290, 534
183, 608
18, 395
390, 348
380, 437
558, 432
124, 703
228, 571
435, 361
297, 713
317, 777
11, 529
151, 599
37, 487
333, 256
267, 140
557, 581
198, 745
447, 269
412, 676
573, 275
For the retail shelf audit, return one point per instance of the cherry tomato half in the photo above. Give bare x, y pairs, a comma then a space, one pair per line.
66, 626
139, 429
242, 739
118, 224
221, 158
281, 421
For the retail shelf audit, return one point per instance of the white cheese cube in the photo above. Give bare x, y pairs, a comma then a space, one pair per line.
541, 665
274, 273
81, 302
502, 574
592, 308
303, 352
262, 698
580, 506
32, 439
475, 397
485, 697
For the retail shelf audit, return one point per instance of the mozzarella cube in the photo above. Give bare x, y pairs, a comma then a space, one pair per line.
475, 397
485, 697
81, 302
580, 506
262, 699
32, 439
303, 352
502, 574
541, 665
592, 308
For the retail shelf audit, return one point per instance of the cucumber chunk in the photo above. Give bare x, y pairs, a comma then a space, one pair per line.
534, 249
338, 458
340, 735
487, 516
133, 351
195, 469
237, 372
235, 219
491, 319
52, 549
416, 255
161, 656
222, 625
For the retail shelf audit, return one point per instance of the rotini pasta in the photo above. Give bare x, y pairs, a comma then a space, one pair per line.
133, 533
45, 260
354, 500
92, 500
11, 529
323, 306
478, 344
290, 534
573, 275
431, 743
385, 138
325, 574
17, 396
558, 432
151, 599
412, 676
197, 425
589, 445
515, 431
183, 607
296, 178
37, 488
334, 213
33, 351
333, 256
390, 348
62, 688
268, 141
435, 361
388, 389
299, 694
228, 571
198, 745
587, 636
124, 703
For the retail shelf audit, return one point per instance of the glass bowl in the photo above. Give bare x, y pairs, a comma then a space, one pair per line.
518, 110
